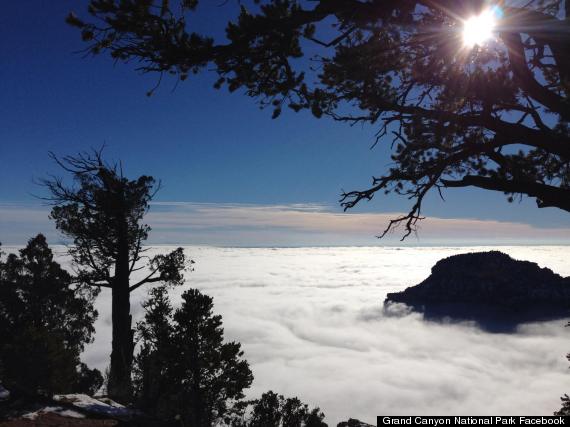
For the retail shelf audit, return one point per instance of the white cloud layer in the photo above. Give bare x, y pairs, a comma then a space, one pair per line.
286, 225
311, 323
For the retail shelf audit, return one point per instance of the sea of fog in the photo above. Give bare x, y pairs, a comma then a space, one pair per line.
312, 325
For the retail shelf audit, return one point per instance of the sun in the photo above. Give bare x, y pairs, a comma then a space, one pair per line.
479, 29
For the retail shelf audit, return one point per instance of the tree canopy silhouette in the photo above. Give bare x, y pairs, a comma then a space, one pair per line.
184, 368
46, 318
102, 211
274, 410
185, 371
493, 116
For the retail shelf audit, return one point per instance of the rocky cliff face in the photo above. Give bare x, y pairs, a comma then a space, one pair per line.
489, 287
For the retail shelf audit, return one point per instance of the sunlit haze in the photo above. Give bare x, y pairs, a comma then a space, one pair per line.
478, 29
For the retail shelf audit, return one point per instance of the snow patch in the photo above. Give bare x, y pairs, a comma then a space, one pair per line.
98, 406
53, 409
4, 394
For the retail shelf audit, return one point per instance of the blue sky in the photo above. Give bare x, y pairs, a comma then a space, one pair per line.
206, 146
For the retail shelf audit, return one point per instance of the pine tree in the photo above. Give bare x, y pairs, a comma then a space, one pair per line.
103, 211
154, 379
184, 368
274, 410
46, 318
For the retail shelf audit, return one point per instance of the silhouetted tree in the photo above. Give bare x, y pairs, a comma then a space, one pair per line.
493, 117
273, 410
353, 423
102, 212
156, 387
46, 318
184, 369
564, 411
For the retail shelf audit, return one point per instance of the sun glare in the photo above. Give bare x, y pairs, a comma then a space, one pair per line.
478, 29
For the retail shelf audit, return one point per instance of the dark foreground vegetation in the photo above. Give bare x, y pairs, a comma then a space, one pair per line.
46, 318
183, 372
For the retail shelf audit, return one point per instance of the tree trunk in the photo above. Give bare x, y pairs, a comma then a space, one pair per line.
119, 387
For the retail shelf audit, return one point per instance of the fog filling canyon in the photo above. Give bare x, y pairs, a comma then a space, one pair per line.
312, 325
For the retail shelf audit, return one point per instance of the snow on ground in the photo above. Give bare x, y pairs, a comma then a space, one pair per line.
4, 394
54, 410
96, 406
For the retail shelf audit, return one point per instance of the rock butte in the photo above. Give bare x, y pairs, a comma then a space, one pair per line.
490, 288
